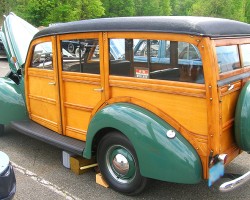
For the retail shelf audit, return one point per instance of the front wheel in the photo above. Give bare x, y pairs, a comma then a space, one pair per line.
118, 164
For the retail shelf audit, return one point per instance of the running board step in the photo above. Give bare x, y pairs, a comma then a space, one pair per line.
34, 130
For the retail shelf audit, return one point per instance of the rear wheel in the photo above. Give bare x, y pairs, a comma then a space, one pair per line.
118, 164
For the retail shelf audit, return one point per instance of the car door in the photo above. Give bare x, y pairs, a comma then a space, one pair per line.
42, 88
81, 81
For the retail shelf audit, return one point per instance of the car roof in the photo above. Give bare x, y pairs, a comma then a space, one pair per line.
202, 26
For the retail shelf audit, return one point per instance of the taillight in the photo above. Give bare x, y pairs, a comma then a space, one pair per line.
222, 158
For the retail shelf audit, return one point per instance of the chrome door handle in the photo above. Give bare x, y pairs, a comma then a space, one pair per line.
52, 83
98, 89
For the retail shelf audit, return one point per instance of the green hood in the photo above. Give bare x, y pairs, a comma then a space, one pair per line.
17, 35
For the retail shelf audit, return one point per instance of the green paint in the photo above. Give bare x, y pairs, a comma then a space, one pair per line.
12, 105
173, 160
242, 119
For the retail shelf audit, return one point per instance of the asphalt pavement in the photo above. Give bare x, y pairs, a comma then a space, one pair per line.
40, 175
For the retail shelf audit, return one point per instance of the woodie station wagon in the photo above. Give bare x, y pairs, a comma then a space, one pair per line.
150, 97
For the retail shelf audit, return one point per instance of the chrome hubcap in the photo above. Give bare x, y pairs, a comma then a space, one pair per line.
121, 164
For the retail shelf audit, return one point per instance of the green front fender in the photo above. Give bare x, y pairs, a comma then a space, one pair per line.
160, 157
12, 104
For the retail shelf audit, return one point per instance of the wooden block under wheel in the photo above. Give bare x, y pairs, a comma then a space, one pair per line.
78, 163
101, 181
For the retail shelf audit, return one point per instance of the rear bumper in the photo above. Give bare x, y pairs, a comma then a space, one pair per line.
230, 185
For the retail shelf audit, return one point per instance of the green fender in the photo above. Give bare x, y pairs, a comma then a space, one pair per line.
160, 157
12, 104
242, 119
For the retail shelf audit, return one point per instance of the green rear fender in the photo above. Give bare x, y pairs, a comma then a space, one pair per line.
160, 157
242, 119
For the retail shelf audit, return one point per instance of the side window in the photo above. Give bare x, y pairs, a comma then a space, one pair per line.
155, 59
42, 56
228, 58
187, 51
81, 55
189, 62
245, 48
147, 50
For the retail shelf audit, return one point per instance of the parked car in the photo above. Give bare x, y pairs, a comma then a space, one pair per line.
7, 178
2, 51
150, 97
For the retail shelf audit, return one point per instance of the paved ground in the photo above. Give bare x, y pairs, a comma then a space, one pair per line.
40, 175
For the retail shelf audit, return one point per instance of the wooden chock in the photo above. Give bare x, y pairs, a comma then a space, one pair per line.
80, 165
101, 181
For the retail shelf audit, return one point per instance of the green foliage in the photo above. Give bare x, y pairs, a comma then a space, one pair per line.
114, 8
231, 9
247, 10
181, 7
165, 7
87, 9
44, 12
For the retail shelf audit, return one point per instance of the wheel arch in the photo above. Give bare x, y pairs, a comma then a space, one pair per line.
157, 154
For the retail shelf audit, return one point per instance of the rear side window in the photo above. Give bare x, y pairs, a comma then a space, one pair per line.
228, 58
245, 48
155, 59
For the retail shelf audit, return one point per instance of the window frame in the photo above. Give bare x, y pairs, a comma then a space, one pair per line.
228, 42
83, 36
161, 37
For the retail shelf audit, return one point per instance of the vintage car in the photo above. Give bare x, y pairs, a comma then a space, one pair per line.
2, 51
149, 97
7, 178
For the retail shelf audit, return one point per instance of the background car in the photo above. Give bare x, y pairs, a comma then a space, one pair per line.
7, 178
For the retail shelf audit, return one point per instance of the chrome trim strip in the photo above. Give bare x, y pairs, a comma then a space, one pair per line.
233, 79
230, 185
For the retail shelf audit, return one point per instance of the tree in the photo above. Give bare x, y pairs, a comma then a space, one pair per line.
60, 12
44, 12
181, 7
87, 9
121, 8
165, 7
231, 9
36, 11
247, 10
152, 7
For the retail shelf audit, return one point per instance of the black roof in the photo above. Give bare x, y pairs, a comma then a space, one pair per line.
207, 26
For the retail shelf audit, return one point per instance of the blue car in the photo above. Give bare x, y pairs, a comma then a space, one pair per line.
7, 178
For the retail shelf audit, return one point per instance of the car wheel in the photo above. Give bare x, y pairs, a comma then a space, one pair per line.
118, 164
1, 129
71, 48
